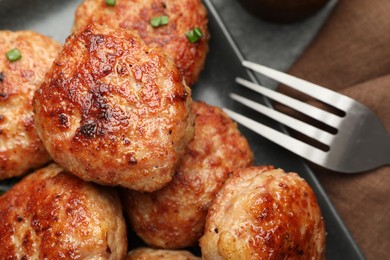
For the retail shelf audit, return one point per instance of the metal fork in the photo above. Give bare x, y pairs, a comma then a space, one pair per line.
360, 144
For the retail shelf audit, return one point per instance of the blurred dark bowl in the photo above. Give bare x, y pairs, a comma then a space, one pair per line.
283, 11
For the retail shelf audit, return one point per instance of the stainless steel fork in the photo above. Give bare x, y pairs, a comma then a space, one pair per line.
360, 144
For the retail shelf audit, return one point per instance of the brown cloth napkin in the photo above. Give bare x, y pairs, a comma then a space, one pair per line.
351, 54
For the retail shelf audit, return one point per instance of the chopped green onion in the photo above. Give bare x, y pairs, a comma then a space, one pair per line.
13, 55
198, 32
155, 22
164, 20
159, 20
194, 35
111, 2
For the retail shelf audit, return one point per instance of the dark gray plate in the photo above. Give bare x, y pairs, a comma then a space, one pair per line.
55, 18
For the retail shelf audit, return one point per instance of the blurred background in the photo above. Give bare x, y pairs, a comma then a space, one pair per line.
271, 43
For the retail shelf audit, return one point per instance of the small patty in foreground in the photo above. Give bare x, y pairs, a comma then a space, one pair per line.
51, 214
262, 213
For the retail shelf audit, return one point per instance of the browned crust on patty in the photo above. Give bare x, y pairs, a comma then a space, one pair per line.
52, 214
184, 15
20, 147
114, 110
262, 213
174, 216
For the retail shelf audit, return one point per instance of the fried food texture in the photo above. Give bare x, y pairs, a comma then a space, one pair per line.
183, 16
261, 213
51, 214
21, 150
174, 216
114, 110
159, 254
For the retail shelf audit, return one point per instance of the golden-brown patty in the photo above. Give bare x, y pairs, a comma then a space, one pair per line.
144, 253
20, 147
174, 216
114, 110
51, 214
183, 15
261, 213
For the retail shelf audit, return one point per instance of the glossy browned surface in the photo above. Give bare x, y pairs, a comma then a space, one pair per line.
262, 213
52, 214
174, 216
159, 254
20, 148
184, 15
114, 110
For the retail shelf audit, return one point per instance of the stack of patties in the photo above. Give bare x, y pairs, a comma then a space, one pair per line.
115, 113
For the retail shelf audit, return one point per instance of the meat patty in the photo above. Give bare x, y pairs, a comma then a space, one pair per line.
183, 15
51, 214
114, 110
174, 216
261, 213
159, 254
20, 147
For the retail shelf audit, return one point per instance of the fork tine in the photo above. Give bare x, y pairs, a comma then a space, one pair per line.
304, 128
323, 94
296, 146
309, 110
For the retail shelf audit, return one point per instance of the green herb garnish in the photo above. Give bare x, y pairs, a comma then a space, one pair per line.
13, 55
111, 2
160, 20
194, 35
